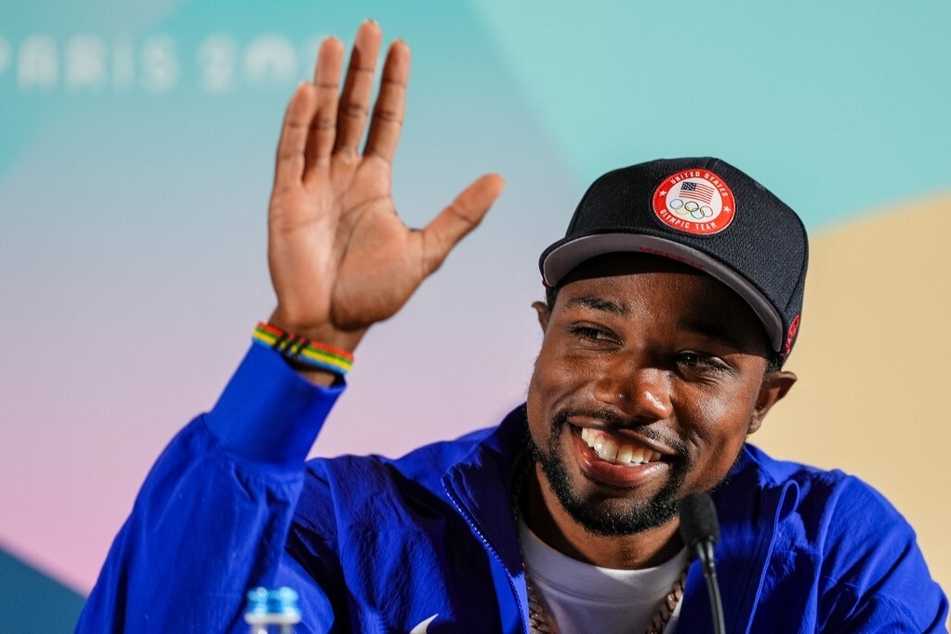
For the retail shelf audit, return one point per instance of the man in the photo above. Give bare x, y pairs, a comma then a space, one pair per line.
672, 303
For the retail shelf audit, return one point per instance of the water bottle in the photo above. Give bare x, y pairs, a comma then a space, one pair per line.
272, 611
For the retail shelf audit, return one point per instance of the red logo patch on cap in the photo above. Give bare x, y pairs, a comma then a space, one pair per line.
791, 335
694, 201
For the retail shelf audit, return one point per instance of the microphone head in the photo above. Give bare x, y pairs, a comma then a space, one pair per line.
698, 519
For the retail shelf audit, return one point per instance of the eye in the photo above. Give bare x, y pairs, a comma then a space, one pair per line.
592, 334
700, 364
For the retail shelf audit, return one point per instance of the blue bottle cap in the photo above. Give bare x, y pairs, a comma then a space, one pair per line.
272, 607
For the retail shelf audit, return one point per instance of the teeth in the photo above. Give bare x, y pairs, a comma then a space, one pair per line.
624, 454
611, 451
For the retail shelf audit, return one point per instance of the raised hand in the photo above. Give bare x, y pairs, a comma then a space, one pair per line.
339, 255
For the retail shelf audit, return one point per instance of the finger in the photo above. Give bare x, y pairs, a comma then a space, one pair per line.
357, 89
320, 139
455, 221
289, 166
387, 122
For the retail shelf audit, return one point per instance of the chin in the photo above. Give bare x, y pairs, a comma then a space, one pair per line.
601, 514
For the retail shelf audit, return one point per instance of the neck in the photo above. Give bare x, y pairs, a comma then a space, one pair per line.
551, 523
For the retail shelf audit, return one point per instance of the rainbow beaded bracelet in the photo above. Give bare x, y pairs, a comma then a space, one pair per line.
302, 353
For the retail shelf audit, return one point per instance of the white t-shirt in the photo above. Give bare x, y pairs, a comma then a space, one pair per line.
585, 598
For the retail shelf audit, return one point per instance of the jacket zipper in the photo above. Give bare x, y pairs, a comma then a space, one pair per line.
472, 524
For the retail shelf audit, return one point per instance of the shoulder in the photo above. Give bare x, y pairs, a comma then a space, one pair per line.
825, 498
829, 512
425, 465
864, 556
490, 448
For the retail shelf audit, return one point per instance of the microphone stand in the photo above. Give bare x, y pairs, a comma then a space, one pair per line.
704, 550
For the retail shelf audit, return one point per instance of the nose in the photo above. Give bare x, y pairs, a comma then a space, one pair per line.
641, 393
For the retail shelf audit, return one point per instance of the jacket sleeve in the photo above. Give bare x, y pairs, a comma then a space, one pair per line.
212, 517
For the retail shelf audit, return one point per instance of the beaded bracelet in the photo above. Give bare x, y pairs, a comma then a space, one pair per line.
302, 353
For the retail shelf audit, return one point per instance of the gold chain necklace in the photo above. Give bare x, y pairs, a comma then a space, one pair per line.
538, 619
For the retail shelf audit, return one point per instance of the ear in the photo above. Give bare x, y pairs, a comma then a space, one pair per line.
543, 314
775, 386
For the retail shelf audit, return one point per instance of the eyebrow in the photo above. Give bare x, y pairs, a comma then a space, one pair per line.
597, 303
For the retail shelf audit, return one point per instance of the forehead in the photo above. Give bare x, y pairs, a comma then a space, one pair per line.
647, 287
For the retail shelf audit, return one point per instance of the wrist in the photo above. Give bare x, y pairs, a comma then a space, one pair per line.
318, 362
346, 340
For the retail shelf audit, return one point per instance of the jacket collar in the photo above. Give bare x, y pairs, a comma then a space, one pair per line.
481, 485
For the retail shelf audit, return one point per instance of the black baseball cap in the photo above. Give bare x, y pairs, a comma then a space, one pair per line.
705, 213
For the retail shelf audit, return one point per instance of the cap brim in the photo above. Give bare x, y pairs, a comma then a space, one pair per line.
561, 259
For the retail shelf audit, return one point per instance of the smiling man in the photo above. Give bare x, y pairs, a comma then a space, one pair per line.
650, 378
672, 304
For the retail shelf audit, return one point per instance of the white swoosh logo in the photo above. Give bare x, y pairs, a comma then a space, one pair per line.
423, 627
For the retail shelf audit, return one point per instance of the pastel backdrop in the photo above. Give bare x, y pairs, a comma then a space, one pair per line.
136, 146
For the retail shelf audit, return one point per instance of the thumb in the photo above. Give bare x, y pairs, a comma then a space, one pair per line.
458, 219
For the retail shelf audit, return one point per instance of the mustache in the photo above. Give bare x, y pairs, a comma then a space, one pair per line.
560, 420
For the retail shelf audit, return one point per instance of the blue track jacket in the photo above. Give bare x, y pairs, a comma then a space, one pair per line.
380, 545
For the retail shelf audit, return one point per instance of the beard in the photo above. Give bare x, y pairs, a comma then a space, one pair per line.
604, 515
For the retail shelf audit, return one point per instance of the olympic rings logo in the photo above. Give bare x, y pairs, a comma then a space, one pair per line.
690, 208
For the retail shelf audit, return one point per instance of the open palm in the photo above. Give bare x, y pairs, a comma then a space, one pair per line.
340, 257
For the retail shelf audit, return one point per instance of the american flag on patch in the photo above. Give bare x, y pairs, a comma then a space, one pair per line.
697, 191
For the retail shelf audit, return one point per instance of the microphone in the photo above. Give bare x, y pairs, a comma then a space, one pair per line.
700, 531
